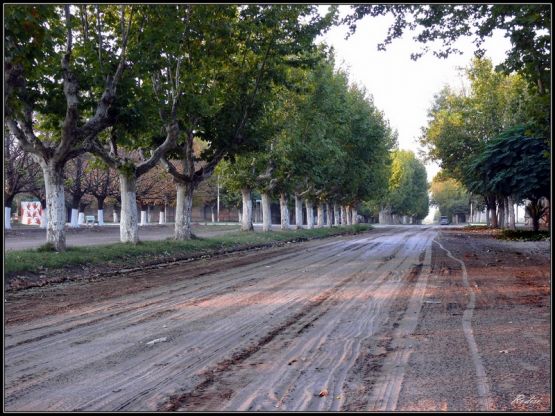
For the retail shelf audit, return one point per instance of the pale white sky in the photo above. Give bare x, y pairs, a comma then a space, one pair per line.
402, 88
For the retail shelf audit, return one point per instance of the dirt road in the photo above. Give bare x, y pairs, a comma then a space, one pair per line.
397, 319
26, 237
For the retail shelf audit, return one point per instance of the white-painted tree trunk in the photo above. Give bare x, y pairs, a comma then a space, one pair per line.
184, 212
162, 219
354, 215
343, 215
128, 226
266, 212
284, 211
81, 219
298, 212
7, 218
511, 208
239, 216
116, 217
100, 215
74, 222
56, 207
348, 215
320, 215
328, 221
43, 218
309, 214
246, 220
143, 218
212, 214
336, 215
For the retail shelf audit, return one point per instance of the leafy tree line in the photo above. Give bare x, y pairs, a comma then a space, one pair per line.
188, 88
489, 140
486, 140
110, 79
327, 145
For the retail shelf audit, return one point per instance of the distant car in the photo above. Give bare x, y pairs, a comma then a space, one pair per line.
444, 221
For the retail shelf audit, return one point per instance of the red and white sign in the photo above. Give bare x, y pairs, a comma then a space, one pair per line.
30, 212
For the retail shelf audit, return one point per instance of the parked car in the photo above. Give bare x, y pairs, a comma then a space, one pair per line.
443, 221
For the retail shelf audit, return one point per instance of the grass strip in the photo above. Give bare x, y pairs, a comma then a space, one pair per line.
523, 235
35, 260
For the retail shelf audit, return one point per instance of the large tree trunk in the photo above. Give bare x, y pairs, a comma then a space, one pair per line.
320, 215
162, 219
43, 216
328, 215
309, 214
183, 212
501, 213
336, 215
144, 218
81, 217
343, 215
511, 207
128, 226
56, 207
348, 215
246, 224
298, 212
354, 215
8, 212
74, 222
7, 217
284, 211
100, 215
266, 212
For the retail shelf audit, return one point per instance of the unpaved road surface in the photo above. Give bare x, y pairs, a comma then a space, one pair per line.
399, 318
27, 237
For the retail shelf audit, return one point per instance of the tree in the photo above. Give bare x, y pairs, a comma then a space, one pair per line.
460, 123
408, 188
514, 165
102, 184
449, 196
230, 83
50, 79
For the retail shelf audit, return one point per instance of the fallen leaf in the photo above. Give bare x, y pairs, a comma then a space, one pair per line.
323, 393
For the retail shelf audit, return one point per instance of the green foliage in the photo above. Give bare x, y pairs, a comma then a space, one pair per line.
408, 188
513, 164
460, 124
523, 235
449, 196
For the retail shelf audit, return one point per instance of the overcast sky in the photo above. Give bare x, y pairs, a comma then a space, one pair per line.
402, 88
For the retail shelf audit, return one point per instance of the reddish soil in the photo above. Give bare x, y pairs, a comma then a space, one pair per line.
383, 321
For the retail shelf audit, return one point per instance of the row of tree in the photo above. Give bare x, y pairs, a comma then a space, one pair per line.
325, 144
110, 79
494, 140
485, 140
188, 88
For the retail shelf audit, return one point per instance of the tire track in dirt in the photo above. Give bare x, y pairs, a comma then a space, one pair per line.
214, 389
130, 376
482, 383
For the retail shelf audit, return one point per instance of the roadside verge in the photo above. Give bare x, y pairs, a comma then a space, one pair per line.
32, 268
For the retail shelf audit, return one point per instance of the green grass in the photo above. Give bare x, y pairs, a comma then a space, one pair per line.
127, 254
523, 235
